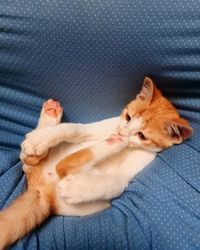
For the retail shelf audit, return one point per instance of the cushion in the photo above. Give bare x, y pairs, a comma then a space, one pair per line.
92, 56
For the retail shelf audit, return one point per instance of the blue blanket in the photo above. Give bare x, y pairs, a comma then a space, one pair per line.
92, 57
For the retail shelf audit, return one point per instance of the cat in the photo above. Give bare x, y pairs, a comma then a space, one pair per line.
76, 169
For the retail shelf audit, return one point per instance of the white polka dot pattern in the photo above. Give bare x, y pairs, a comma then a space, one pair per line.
92, 56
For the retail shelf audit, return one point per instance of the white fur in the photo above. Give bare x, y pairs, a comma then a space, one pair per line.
136, 124
130, 128
92, 189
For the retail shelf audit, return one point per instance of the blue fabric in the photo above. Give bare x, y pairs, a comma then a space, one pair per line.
92, 56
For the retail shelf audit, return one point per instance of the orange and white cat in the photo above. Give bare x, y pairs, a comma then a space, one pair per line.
76, 169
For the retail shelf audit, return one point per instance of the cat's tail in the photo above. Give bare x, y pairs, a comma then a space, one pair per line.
23, 215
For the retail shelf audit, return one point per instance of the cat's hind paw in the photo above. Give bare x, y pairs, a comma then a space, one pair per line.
52, 108
51, 113
73, 189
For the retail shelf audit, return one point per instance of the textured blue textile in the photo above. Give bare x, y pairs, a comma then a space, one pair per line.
92, 56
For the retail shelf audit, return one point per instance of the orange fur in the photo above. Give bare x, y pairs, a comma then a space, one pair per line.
157, 115
30, 209
74, 162
33, 160
161, 126
24, 214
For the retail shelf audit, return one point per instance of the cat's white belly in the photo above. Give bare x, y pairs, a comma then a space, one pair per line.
49, 173
125, 164
56, 154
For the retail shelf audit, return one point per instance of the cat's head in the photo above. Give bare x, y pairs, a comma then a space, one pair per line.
151, 121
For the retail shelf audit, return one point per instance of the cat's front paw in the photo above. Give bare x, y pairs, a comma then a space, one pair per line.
37, 142
73, 189
116, 139
116, 143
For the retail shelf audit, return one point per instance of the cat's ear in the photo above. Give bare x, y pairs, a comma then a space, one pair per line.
178, 129
146, 93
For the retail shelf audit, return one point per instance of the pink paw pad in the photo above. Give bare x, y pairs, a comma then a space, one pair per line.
114, 139
52, 108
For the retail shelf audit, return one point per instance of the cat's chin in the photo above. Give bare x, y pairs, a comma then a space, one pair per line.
133, 145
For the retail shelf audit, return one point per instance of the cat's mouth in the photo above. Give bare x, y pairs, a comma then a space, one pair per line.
126, 133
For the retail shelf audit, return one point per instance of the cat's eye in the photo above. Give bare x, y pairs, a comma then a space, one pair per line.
141, 136
128, 117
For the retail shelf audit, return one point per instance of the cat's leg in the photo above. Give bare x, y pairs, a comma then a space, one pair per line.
88, 187
82, 188
39, 141
51, 114
86, 158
